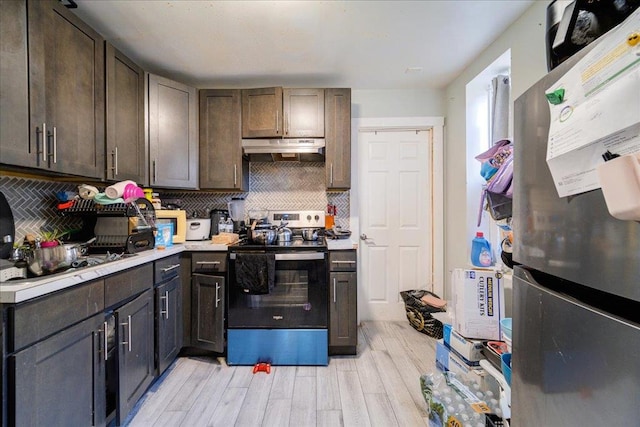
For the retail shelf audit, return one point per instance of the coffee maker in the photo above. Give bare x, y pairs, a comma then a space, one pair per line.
236, 212
572, 25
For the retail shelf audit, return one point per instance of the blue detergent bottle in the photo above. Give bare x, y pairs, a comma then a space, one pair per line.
481, 251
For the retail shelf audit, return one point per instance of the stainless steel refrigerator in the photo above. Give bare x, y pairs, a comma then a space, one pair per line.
576, 296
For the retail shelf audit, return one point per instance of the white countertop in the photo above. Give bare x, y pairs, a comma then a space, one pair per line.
341, 244
22, 290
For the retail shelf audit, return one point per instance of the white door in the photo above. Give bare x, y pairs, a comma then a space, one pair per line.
395, 219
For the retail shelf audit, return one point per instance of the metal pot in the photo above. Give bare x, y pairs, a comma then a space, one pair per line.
263, 235
53, 258
310, 234
284, 235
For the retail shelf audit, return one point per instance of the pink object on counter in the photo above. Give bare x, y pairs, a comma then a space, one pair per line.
132, 192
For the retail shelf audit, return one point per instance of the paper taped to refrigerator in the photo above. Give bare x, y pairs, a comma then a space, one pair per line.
600, 110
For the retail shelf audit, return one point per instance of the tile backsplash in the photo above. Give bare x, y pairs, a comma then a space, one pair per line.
281, 185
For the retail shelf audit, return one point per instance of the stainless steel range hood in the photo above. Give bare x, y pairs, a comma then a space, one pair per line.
268, 150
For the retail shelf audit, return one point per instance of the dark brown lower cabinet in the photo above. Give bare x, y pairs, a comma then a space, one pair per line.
207, 312
135, 351
343, 304
60, 380
168, 323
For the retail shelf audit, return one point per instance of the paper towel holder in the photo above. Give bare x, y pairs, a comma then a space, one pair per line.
620, 182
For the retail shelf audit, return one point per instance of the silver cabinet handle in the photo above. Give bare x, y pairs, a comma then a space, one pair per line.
331, 174
277, 121
104, 340
166, 300
334, 289
217, 294
128, 325
207, 262
45, 139
155, 174
235, 175
172, 267
55, 145
166, 305
343, 262
115, 162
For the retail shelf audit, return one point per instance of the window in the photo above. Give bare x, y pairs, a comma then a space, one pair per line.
482, 131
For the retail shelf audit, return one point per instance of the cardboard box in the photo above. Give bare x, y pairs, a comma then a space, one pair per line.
478, 303
164, 235
470, 350
447, 360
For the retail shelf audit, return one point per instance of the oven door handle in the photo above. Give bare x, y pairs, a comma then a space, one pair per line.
302, 256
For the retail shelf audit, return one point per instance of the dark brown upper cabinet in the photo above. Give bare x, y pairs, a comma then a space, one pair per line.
15, 145
222, 166
303, 113
338, 139
66, 90
125, 139
173, 130
262, 113
275, 113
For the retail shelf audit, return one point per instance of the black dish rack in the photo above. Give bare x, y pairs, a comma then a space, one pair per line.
135, 239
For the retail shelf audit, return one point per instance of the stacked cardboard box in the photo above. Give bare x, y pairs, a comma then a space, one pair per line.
478, 307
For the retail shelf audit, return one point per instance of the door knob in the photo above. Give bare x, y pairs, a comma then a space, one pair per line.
363, 236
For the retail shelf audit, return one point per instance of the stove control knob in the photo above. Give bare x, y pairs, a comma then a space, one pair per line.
308, 217
317, 218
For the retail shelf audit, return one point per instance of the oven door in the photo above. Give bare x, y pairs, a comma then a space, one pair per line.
298, 298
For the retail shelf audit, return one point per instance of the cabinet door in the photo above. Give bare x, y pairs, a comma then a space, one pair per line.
343, 328
168, 323
135, 351
66, 89
17, 149
124, 117
303, 113
61, 380
262, 112
207, 308
338, 138
173, 144
222, 166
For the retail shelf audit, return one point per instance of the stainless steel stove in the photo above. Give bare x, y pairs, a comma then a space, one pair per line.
296, 221
278, 297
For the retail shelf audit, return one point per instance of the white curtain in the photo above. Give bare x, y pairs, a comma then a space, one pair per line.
500, 88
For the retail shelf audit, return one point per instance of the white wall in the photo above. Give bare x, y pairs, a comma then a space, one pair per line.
526, 39
398, 103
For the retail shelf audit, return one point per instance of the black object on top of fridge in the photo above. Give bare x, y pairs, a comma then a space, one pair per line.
576, 294
572, 25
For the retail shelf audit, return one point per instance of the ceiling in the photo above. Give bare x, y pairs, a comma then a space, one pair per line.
356, 44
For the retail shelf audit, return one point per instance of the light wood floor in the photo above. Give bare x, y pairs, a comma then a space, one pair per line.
378, 387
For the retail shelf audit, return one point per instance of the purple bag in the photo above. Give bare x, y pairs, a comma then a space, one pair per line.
499, 190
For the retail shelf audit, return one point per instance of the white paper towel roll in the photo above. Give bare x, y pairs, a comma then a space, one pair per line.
114, 191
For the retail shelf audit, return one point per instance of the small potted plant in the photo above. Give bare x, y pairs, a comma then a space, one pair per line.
49, 239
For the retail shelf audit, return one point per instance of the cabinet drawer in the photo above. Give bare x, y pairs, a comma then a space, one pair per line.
35, 320
342, 260
209, 262
166, 268
124, 285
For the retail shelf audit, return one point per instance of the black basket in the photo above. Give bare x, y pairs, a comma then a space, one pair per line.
419, 314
